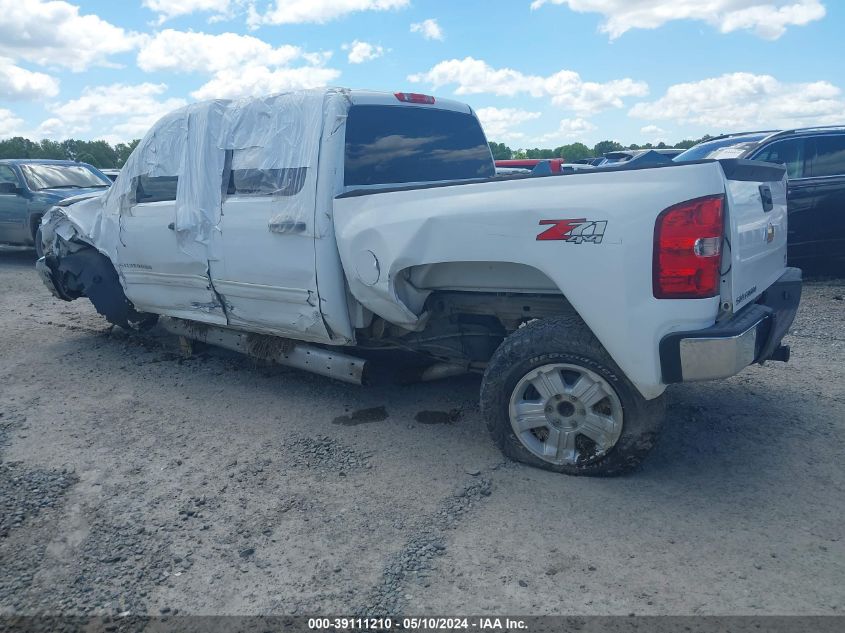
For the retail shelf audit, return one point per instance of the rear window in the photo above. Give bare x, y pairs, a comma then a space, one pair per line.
705, 149
400, 144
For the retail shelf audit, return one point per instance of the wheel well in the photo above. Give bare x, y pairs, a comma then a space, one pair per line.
510, 309
87, 272
467, 327
481, 277
34, 223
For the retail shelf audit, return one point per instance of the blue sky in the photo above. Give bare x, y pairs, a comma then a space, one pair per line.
539, 73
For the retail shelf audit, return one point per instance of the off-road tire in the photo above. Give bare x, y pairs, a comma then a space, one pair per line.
566, 339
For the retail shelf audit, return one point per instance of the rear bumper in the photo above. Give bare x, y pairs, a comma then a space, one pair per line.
754, 335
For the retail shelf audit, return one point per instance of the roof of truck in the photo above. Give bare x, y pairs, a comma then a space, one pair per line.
374, 97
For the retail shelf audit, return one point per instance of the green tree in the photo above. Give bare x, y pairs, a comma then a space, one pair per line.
51, 149
85, 157
604, 147
18, 147
500, 151
573, 151
124, 150
687, 143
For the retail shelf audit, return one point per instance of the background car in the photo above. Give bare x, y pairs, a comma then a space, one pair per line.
815, 165
625, 155
595, 162
511, 171
29, 187
111, 173
531, 163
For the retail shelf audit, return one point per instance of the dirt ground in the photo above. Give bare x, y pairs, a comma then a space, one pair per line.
134, 480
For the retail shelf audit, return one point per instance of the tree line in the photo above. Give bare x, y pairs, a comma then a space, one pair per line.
578, 151
100, 154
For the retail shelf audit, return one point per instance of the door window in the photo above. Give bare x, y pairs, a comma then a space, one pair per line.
287, 181
155, 188
789, 152
7, 174
830, 156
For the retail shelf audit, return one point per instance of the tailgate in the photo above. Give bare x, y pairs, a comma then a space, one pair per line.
756, 226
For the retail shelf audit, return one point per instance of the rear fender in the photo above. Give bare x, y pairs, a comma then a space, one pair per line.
588, 236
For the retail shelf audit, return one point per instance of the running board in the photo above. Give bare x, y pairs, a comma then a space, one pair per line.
275, 349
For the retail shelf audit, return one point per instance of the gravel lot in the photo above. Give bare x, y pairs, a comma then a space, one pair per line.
134, 480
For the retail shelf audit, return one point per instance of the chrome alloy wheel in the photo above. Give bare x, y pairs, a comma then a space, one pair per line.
565, 414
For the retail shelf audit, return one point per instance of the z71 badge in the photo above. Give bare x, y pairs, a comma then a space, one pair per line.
574, 231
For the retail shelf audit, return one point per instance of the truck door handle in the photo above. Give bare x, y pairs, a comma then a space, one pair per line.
172, 226
766, 197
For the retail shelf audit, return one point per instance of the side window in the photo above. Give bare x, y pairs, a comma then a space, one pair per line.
830, 156
155, 188
286, 181
789, 152
7, 174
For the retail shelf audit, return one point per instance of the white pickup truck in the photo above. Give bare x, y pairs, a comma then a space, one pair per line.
305, 226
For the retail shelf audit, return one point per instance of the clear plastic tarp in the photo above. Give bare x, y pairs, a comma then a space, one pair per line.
200, 154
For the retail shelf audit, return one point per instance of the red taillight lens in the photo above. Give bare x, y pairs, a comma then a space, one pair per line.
414, 97
687, 249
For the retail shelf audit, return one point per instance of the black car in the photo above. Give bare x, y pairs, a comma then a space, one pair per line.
815, 165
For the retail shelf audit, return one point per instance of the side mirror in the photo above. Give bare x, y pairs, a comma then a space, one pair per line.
8, 188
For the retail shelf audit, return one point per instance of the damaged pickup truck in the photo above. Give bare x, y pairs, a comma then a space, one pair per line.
302, 227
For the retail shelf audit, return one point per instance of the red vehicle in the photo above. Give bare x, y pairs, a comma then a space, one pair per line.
531, 163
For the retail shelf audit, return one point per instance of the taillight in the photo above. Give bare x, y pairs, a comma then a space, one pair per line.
414, 97
687, 249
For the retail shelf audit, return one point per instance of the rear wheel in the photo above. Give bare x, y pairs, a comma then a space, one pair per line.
553, 398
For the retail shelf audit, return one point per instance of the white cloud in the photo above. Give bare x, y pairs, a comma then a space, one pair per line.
168, 9
429, 29
258, 80
239, 65
118, 112
54, 33
10, 124
317, 11
575, 127
653, 133
768, 19
187, 51
739, 101
568, 130
19, 83
566, 88
498, 123
360, 52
